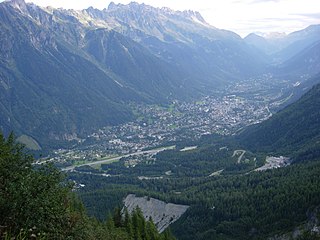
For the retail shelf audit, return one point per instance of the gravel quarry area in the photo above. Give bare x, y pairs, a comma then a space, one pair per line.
162, 214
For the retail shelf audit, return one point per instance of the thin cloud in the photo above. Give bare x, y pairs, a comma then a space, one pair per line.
308, 15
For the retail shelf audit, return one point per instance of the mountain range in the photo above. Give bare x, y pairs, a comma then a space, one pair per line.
282, 46
65, 73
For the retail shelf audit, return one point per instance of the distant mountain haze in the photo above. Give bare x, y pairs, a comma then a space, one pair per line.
282, 47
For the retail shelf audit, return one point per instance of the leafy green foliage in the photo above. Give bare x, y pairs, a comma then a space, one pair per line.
30, 197
136, 227
35, 203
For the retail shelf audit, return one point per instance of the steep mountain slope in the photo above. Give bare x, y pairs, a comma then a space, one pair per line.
284, 47
49, 91
294, 131
66, 72
185, 40
306, 62
300, 88
299, 40
260, 43
53, 90
134, 65
206, 56
302, 70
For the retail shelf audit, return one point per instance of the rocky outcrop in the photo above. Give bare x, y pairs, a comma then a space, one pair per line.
162, 214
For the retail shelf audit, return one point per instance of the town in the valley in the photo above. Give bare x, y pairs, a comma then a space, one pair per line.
158, 126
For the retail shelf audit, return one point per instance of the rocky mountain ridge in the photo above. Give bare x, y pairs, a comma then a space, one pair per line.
281, 46
106, 59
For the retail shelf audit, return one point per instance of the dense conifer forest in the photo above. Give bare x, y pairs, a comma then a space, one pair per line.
36, 202
259, 204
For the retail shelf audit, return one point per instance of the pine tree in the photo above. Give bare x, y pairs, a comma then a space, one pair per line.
30, 196
117, 217
152, 231
128, 223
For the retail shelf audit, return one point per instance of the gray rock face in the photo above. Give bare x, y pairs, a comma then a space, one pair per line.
162, 214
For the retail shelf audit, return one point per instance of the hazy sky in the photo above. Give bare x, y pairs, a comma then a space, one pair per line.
240, 16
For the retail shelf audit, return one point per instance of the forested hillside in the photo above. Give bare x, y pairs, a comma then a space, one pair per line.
294, 131
256, 205
229, 198
37, 203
